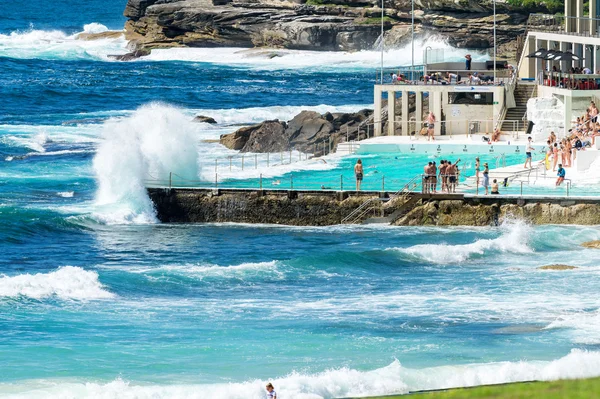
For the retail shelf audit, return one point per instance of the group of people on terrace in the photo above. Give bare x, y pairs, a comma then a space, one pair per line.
570, 80
446, 174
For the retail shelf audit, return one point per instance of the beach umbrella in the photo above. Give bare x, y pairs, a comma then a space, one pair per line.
552, 55
539, 53
567, 56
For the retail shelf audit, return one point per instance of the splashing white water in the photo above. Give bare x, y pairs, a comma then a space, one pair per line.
584, 327
65, 283
153, 142
201, 272
515, 237
343, 382
59, 45
284, 59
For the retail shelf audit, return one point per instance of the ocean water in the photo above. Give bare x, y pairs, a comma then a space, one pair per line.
97, 299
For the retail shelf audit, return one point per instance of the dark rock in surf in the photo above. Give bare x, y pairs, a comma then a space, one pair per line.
134, 55
309, 132
204, 119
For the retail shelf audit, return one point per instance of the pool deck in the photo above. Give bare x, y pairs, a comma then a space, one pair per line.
585, 169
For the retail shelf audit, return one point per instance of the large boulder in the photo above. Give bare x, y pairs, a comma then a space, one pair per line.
268, 136
307, 128
308, 131
204, 119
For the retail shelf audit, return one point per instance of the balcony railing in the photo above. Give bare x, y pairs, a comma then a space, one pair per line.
576, 26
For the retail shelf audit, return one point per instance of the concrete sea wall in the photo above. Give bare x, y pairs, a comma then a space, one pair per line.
321, 208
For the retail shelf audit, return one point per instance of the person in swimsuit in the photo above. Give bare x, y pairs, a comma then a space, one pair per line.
452, 172
477, 169
561, 175
442, 175
358, 172
495, 189
427, 177
433, 177
430, 125
528, 151
554, 156
271, 394
486, 177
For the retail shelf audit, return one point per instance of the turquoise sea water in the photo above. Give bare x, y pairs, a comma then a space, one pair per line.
99, 300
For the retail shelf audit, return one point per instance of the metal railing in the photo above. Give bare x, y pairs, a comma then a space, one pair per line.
285, 182
438, 77
577, 26
374, 204
571, 81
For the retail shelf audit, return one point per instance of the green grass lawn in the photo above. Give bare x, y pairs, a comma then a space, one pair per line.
571, 389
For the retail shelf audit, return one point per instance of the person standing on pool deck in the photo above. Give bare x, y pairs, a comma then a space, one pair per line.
468, 62
561, 175
430, 125
271, 394
358, 172
528, 151
477, 169
486, 177
433, 177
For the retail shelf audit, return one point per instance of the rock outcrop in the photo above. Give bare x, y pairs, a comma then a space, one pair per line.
308, 132
328, 207
205, 119
557, 267
331, 25
591, 244
490, 212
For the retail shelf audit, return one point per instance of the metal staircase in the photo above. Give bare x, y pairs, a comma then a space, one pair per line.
374, 205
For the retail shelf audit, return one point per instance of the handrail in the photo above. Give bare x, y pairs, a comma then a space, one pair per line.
367, 206
360, 211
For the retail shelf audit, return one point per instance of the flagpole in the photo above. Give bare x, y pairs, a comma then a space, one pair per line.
412, 70
382, 41
495, 41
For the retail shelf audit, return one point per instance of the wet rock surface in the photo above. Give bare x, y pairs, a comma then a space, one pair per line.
309, 132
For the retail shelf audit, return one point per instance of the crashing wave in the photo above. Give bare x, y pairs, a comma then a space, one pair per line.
65, 283
334, 383
514, 239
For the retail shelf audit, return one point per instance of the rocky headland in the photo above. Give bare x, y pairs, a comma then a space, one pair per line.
332, 25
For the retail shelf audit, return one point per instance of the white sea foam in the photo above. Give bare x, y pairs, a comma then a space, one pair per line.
204, 271
66, 194
59, 45
94, 27
583, 327
283, 59
237, 116
65, 283
151, 143
515, 237
343, 382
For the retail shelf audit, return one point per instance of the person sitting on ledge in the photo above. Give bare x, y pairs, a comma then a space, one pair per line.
496, 135
495, 189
